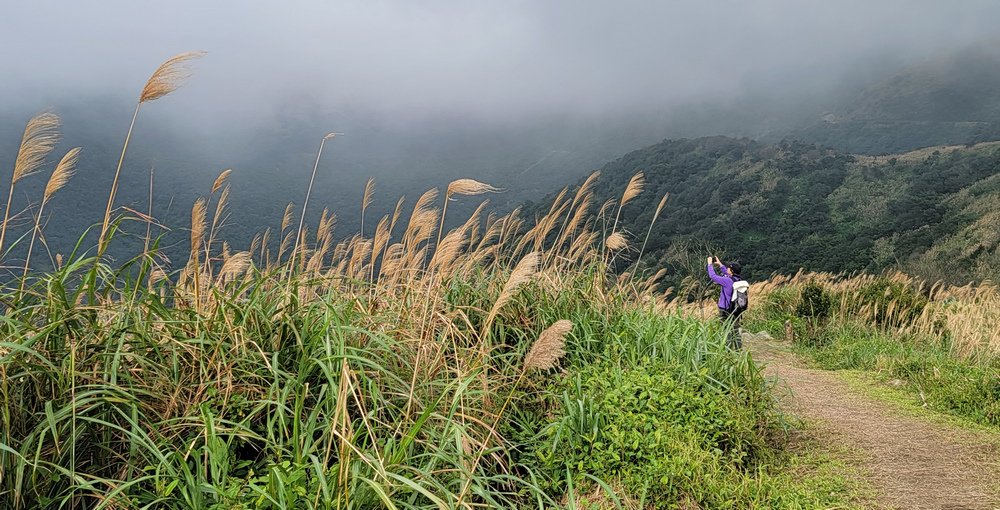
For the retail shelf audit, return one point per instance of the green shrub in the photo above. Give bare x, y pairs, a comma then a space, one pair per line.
669, 440
644, 426
781, 301
814, 302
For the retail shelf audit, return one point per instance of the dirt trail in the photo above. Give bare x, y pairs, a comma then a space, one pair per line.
914, 464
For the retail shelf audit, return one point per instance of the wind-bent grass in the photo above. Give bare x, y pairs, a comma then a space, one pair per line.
60, 176
305, 203
385, 371
40, 136
231, 383
167, 78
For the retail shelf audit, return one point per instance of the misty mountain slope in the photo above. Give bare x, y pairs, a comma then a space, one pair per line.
182, 167
961, 87
952, 99
778, 208
272, 162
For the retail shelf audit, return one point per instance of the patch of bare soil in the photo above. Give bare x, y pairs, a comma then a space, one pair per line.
914, 464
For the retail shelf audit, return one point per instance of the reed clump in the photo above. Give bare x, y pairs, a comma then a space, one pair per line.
356, 371
407, 367
962, 317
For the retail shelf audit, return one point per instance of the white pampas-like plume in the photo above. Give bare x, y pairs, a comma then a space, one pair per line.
549, 347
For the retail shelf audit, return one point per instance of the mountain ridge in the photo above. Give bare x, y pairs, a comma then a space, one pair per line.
782, 207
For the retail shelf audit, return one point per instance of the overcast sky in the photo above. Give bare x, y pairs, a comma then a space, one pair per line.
496, 58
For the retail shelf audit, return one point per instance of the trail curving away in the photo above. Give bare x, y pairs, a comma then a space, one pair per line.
914, 464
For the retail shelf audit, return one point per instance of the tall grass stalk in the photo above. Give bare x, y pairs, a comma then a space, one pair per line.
60, 176
305, 202
656, 214
40, 136
632, 190
366, 201
165, 79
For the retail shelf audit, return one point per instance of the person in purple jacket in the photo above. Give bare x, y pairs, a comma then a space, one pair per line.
729, 277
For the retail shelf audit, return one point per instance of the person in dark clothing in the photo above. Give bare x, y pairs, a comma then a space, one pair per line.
729, 279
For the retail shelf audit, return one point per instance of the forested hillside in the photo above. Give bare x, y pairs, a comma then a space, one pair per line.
779, 192
778, 208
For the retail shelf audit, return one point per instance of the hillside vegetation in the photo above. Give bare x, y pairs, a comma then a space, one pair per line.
500, 363
937, 343
779, 208
951, 99
506, 368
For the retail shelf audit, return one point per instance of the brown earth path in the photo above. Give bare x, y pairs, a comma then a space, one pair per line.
913, 463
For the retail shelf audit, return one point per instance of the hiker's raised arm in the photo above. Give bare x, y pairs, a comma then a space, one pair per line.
711, 273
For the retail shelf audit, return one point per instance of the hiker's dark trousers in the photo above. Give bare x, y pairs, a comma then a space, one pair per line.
734, 341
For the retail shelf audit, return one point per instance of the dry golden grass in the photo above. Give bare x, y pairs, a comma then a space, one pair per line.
157, 275
549, 347
198, 217
164, 80
40, 136
366, 200
584, 190
634, 188
448, 250
369, 195
578, 218
470, 187
62, 174
522, 273
168, 77
286, 219
423, 221
392, 261
659, 207
964, 316
462, 187
656, 215
221, 179
300, 234
233, 267
616, 242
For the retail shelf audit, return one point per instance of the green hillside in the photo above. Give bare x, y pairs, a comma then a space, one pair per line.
778, 208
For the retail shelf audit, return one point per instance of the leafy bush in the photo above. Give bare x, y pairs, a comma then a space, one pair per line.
632, 422
814, 302
781, 302
669, 439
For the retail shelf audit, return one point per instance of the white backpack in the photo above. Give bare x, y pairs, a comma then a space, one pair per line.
741, 297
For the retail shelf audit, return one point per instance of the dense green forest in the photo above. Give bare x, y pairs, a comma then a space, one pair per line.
778, 208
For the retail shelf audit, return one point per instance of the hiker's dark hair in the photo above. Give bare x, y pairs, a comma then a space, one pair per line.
735, 267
